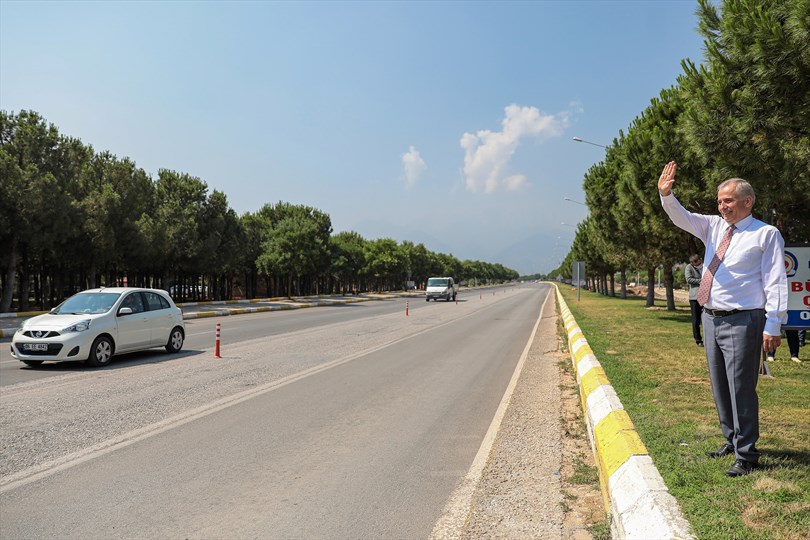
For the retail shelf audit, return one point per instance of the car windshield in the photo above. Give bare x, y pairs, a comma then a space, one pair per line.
436, 282
87, 303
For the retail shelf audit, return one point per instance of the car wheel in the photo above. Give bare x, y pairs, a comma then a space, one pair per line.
101, 352
32, 363
427, 299
175, 340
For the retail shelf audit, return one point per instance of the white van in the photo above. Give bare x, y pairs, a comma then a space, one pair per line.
441, 287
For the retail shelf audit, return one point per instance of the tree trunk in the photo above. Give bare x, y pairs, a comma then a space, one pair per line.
46, 290
8, 282
25, 289
91, 276
38, 289
669, 280
57, 289
624, 283
651, 286
167, 284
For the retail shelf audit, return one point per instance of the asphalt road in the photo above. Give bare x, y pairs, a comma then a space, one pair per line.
342, 422
200, 335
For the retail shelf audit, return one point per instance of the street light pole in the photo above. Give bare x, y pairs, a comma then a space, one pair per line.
573, 201
578, 139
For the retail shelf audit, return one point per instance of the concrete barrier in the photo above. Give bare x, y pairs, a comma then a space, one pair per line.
639, 503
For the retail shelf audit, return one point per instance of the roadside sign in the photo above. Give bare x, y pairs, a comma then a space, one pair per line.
797, 268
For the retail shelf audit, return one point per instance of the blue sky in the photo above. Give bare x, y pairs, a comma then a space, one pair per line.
446, 123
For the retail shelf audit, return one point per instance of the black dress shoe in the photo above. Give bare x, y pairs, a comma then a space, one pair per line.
725, 450
741, 468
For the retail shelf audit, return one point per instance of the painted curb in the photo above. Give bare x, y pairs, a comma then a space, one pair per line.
640, 505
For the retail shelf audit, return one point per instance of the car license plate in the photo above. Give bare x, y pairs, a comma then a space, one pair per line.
35, 346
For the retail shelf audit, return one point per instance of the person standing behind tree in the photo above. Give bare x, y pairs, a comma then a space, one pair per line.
743, 292
692, 274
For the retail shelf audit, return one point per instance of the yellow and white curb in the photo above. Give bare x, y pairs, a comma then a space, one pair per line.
640, 505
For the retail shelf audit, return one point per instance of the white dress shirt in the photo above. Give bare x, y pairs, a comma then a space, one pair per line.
752, 274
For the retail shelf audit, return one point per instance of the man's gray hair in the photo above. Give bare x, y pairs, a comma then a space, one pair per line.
742, 188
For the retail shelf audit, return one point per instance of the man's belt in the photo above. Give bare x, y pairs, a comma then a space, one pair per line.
721, 313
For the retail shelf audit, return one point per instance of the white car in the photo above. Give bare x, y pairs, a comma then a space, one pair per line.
96, 324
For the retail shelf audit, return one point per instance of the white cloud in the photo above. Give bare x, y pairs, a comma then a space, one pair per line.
516, 182
487, 153
414, 166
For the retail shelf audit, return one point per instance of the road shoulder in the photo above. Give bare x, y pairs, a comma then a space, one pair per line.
527, 488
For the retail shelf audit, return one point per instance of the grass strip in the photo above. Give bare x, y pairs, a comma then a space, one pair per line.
661, 377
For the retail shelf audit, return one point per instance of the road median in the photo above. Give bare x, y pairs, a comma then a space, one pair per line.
634, 492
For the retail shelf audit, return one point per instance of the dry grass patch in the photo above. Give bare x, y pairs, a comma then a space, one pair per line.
696, 381
755, 517
771, 485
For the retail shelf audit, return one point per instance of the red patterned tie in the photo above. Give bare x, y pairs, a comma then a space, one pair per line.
708, 277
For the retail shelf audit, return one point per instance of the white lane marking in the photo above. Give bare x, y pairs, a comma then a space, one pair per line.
44, 470
454, 516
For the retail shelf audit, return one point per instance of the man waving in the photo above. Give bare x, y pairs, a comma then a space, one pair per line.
743, 291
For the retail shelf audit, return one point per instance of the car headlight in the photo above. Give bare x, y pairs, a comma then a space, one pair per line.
80, 326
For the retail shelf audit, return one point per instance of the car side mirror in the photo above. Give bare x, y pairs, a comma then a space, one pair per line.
125, 311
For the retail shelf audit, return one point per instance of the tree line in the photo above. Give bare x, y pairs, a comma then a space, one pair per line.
744, 113
72, 219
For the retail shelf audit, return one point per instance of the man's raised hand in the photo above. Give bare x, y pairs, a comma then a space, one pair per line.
667, 179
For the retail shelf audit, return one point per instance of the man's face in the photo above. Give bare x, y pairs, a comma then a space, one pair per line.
697, 263
730, 207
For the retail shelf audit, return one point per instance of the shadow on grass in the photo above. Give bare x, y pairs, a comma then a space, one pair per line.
785, 458
685, 320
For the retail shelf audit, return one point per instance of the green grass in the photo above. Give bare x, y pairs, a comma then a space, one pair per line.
584, 473
601, 530
660, 375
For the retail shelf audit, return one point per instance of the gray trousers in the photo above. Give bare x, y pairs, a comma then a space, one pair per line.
733, 349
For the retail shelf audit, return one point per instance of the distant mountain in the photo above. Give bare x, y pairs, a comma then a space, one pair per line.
529, 255
373, 229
